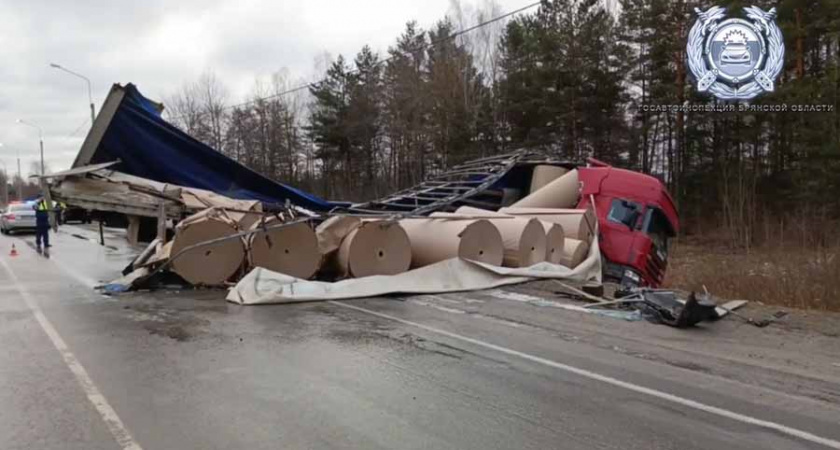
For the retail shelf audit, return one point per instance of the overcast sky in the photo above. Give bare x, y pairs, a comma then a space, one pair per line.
161, 44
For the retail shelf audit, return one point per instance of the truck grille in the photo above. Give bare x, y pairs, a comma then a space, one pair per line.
656, 267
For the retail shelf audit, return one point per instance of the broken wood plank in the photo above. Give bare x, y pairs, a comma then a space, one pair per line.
729, 306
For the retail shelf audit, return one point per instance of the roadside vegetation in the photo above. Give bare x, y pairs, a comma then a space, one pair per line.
797, 267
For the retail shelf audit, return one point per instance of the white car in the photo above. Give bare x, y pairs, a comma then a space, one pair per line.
17, 217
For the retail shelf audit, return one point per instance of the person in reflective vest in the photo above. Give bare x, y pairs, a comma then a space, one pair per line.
42, 223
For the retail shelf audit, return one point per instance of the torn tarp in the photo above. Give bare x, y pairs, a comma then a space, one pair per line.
130, 129
263, 286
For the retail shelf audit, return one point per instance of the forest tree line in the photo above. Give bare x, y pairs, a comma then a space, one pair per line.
577, 77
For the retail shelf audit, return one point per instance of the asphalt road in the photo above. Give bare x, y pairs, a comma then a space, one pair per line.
187, 370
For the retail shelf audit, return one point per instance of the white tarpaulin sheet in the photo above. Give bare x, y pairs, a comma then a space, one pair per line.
262, 286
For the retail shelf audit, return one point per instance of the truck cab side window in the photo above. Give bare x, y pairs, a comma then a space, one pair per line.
625, 212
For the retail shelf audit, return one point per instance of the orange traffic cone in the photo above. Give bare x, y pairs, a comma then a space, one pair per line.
14, 251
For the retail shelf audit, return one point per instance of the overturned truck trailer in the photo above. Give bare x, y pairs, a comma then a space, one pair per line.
130, 134
135, 163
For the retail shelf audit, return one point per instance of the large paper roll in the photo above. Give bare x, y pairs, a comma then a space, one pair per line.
375, 248
292, 250
210, 265
543, 175
524, 240
577, 223
555, 242
560, 193
434, 240
332, 232
574, 252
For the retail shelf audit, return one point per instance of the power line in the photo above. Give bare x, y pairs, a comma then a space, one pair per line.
79, 128
383, 61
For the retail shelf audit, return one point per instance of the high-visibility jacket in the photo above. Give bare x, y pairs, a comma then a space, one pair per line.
42, 214
42, 205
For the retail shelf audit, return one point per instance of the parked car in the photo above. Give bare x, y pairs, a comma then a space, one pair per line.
17, 217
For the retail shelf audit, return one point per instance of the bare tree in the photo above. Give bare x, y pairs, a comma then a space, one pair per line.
200, 109
213, 97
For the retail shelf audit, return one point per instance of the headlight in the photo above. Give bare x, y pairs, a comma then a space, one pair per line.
632, 275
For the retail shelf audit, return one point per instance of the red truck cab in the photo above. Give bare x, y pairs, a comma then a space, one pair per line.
636, 218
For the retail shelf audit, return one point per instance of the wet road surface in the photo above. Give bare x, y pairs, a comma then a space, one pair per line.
460, 371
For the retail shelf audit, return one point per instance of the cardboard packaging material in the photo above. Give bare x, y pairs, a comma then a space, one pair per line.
292, 250
560, 193
543, 175
574, 253
524, 240
577, 223
210, 265
377, 247
435, 240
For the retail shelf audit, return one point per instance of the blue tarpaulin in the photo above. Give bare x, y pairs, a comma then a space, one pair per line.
147, 146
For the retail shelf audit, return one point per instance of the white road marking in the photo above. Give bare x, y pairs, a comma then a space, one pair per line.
438, 307
109, 416
804, 435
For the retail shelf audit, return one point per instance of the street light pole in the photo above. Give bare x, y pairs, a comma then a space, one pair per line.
40, 138
90, 89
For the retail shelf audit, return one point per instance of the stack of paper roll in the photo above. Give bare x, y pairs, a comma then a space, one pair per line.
437, 239
292, 249
523, 240
554, 237
207, 265
543, 175
579, 226
563, 192
375, 247
577, 223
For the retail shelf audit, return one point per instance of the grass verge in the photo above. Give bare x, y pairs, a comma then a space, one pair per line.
789, 276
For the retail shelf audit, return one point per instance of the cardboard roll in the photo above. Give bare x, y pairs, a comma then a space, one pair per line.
560, 193
574, 252
211, 265
374, 248
543, 175
524, 240
435, 240
554, 235
555, 242
292, 250
577, 223
332, 232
